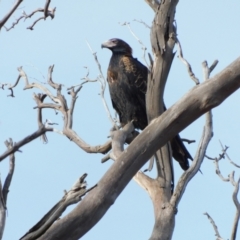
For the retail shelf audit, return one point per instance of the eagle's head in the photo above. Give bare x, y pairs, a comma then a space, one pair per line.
117, 45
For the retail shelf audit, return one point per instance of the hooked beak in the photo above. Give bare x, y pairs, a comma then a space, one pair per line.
107, 44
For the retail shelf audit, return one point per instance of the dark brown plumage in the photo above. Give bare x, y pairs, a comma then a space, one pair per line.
127, 79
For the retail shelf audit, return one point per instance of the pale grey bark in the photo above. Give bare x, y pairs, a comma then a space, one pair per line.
230, 178
25, 141
73, 196
5, 188
237, 205
59, 104
195, 103
163, 39
2, 212
217, 234
162, 128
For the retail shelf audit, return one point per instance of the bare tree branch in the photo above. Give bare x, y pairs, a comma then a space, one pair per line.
142, 22
189, 68
24, 141
74, 195
9, 14
5, 189
198, 159
235, 193
46, 8
35, 22
2, 212
7, 183
47, 12
154, 4
23, 75
103, 83
207, 70
214, 227
237, 204
218, 172
229, 159
144, 181
140, 42
189, 174
163, 40
61, 105
195, 103
118, 139
216, 160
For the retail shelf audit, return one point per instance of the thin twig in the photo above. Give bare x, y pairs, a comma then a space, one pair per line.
215, 161
188, 141
214, 226
138, 39
102, 82
61, 105
189, 68
34, 23
47, 12
74, 195
24, 141
207, 70
229, 159
198, 159
9, 14
218, 172
23, 75
236, 189
86, 80
142, 22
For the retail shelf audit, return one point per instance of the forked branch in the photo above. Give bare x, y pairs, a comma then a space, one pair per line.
200, 154
74, 195
47, 12
229, 159
16, 146
59, 104
195, 103
118, 139
230, 178
9, 14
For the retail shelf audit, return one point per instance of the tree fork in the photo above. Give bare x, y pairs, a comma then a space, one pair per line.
191, 106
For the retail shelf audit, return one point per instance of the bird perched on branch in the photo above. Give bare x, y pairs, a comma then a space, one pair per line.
127, 79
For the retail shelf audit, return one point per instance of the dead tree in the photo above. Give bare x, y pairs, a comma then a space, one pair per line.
162, 127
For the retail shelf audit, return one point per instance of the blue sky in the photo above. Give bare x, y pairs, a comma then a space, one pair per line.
207, 30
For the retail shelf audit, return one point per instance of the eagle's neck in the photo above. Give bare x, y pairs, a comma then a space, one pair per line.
117, 56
